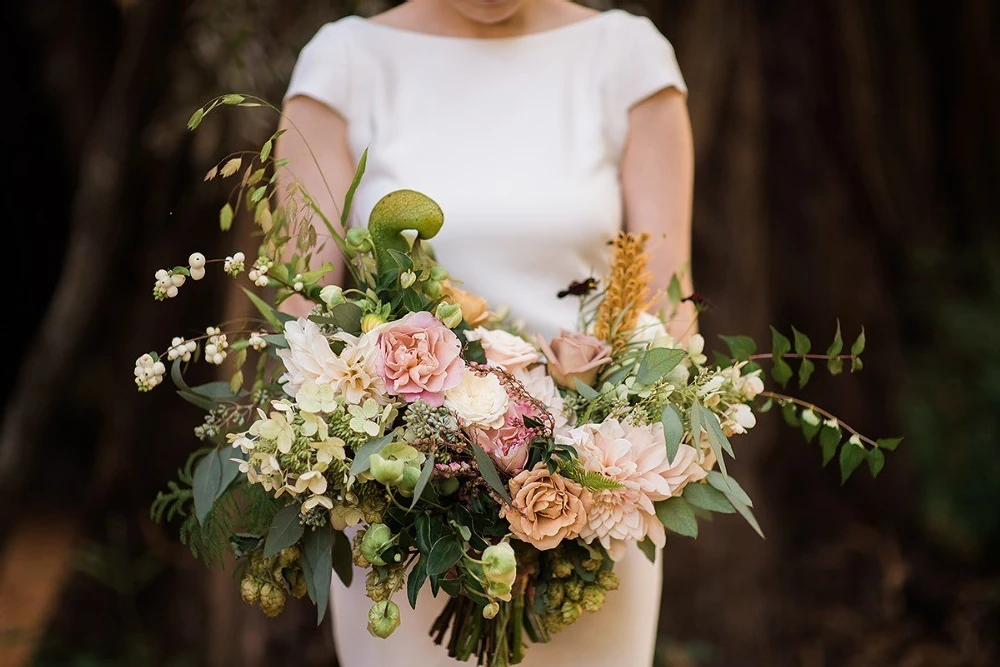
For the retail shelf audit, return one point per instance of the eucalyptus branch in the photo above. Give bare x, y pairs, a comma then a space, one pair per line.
820, 411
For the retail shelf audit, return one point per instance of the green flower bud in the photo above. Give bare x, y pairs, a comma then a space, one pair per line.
491, 610
377, 539
432, 288
557, 592
272, 600
499, 590
450, 314
358, 239
447, 486
407, 278
370, 321
592, 564
411, 474
561, 567
593, 598
387, 471
332, 295
574, 589
439, 273
250, 590
570, 611
500, 563
607, 580
383, 619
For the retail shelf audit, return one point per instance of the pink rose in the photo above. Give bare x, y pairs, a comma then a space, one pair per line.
575, 355
504, 349
419, 358
508, 444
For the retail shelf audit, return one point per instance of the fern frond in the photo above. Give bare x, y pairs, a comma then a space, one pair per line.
588, 479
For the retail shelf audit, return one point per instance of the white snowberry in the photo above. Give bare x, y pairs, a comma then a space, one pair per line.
197, 273
196, 260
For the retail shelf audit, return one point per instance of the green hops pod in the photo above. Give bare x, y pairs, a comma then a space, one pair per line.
396, 212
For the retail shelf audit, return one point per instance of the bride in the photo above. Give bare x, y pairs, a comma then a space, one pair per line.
541, 127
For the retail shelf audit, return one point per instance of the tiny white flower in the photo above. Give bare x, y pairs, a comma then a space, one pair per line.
312, 481
298, 286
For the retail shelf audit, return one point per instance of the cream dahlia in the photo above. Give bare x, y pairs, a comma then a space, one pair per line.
636, 458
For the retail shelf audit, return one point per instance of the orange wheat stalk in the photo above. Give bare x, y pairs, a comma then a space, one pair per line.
627, 289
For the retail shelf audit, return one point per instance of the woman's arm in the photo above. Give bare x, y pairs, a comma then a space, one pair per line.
657, 173
324, 132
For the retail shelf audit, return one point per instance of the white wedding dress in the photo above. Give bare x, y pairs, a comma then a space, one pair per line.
518, 139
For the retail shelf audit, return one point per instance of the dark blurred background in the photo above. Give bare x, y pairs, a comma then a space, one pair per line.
847, 163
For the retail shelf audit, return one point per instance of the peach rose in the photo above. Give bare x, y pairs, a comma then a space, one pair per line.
575, 355
546, 508
475, 310
504, 349
419, 358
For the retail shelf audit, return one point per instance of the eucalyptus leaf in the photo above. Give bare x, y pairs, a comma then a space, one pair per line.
206, 484
177, 376
707, 497
345, 211
676, 514
286, 529
348, 316
851, 456
362, 457
584, 390
489, 473
673, 430
647, 547
745, 512
444, 554
729, 486
698, 419
317, 562
674, 290
265, 310
714, 428
197, 399
425, 475
276, 340
343, 563
658, 362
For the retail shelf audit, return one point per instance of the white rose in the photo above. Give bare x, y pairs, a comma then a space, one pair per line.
649, 329
479, 400
504, 349
541, 387
308, 357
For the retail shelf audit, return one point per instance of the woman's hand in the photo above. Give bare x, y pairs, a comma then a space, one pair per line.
319, 159
657, 173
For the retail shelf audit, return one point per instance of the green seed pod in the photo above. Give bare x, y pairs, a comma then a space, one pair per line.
383, 619
377, 539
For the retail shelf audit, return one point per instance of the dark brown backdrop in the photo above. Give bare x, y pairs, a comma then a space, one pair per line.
846, 161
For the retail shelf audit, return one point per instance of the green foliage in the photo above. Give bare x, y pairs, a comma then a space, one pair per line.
678, 516
588, 479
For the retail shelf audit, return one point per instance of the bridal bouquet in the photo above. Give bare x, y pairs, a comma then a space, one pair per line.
409, 429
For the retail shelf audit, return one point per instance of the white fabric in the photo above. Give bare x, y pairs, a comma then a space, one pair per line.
519, 140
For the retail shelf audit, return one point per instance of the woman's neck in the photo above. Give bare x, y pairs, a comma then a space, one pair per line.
441, 17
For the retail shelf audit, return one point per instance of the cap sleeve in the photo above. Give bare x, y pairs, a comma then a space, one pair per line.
649, 65
322, 71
